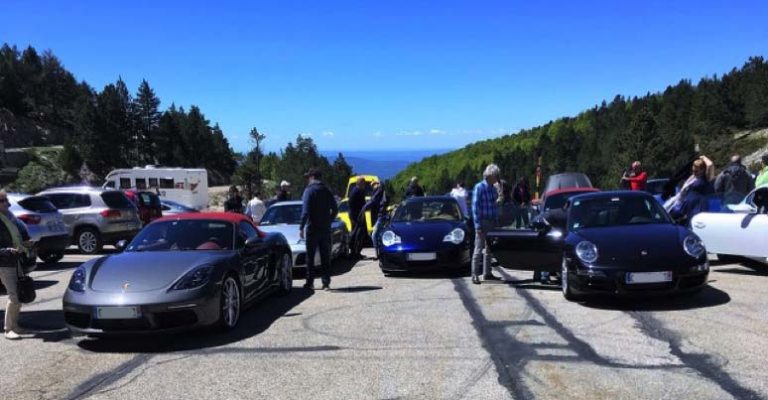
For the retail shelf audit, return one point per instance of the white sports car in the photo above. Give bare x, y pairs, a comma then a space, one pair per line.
285, 217
742, 233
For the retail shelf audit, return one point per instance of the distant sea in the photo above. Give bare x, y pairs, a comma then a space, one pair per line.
384, 163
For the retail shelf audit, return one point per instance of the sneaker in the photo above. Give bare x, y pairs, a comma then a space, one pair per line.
475, 280
11, 335
326, 287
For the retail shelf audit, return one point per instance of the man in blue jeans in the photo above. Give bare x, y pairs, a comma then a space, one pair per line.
318, 211
485, 217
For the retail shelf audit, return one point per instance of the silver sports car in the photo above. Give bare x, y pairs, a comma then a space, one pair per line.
180, 272
285, 218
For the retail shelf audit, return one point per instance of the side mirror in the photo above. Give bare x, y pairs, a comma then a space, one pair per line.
121, 245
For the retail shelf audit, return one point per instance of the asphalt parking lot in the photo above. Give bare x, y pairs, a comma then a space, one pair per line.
414, 337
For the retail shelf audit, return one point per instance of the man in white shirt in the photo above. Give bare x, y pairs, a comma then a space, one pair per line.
256, 208
460, 194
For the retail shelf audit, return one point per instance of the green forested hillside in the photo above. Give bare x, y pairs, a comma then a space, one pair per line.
662, 130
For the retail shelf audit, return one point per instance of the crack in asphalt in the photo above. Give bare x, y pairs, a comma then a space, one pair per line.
92, 384
700, 362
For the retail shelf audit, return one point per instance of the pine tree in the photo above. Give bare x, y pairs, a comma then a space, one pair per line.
147, 114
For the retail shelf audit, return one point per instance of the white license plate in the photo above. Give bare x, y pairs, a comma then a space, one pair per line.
117, 312
649, 277
422, 256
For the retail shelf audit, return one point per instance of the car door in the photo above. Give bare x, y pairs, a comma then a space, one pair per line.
255, 257
527, 249
733, 234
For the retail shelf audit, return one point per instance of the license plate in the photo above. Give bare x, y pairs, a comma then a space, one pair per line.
649, 277
422, 256
117, 312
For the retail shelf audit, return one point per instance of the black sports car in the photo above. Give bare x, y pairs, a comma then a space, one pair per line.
180, 272
425, 233
620, 243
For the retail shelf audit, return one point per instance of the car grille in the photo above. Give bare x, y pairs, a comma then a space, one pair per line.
80, 320
175, 319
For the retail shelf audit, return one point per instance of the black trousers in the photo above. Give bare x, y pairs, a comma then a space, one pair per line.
319, 241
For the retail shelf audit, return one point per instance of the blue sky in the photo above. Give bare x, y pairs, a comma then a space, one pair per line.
390, 74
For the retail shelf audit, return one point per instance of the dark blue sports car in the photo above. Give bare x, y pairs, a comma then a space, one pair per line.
619, 243
425, 233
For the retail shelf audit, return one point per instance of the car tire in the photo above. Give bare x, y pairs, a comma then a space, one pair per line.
88, 240
285, 275
230, 303
50, 257
565, 285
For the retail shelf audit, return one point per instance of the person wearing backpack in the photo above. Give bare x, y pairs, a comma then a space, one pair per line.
734, 182
14, 239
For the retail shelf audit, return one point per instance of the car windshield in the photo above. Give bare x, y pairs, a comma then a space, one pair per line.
558, 200
428, 210
616, 211
181, 235
283, 214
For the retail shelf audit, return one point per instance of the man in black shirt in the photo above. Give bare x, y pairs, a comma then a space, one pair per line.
234, 202
318, 211
359, 228
414, 189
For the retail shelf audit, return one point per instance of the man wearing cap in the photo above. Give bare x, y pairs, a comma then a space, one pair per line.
285, 192
762, 178
414, 189
318, 211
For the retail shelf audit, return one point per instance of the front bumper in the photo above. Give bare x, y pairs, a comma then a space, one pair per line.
447, 259
613, 282
173, 316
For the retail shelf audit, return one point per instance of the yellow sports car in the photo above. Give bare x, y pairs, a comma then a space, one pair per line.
344, 205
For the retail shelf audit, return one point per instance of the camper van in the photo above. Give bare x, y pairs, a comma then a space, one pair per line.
188, 186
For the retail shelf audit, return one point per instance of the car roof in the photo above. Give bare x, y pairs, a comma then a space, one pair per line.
287, 203
77, 189
221, 216
613, 193
571, 190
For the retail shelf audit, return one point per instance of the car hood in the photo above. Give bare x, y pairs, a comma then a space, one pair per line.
424, 234
147, 271
290, 231
651, 245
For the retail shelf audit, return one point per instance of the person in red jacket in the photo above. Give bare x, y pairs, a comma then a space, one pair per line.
636, 177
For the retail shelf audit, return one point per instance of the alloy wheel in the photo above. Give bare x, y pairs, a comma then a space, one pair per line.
286, 274
230, 294
88, 241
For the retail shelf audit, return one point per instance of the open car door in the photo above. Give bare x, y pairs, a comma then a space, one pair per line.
736, 234
527, 249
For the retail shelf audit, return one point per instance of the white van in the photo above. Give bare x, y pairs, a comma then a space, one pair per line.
188, 186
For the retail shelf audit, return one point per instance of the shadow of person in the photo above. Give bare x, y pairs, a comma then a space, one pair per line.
356, 289
253, 321
708, 297
47, 325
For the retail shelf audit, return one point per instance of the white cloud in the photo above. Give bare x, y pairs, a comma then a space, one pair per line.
377, 134
305, 134
328, 133
409, 133
434, 131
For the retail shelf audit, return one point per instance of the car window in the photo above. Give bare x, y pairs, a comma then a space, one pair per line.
282, 215
141, 183
125, 183
37, 204
167, 183
184, 235
148, 199
424, 211
344, 207
153, 183
615, 211
115, 199
245, 232
64, 201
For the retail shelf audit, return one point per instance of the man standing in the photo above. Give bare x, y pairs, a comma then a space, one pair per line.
414, 190
460, 194
734, 182
317, 213
234, 202
522, 198
636, 177
359, 228
14, 239
485, 216
256, 208
762, 179
285, 192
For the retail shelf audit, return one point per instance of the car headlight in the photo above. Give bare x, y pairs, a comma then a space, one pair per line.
77, 282
389, 238
693, 246
586, 251
456, 236
194, 279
